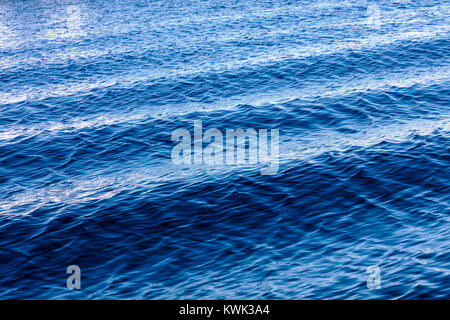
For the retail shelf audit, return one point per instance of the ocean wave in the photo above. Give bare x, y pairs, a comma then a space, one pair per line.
91, 94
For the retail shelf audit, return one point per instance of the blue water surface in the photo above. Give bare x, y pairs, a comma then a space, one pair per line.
91, 91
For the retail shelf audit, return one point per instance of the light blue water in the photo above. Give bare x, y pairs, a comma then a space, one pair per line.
91, 91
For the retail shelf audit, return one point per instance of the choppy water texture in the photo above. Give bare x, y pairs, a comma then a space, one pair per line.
91, 91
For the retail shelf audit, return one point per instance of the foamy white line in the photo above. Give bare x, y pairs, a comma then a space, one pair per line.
338, 142
275, 97
75, 125
142, 76
62, 90
86, 189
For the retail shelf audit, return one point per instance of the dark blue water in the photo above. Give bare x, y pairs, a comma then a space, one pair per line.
91, 91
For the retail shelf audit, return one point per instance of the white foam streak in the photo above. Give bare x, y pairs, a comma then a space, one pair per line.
335, 142
274, 97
